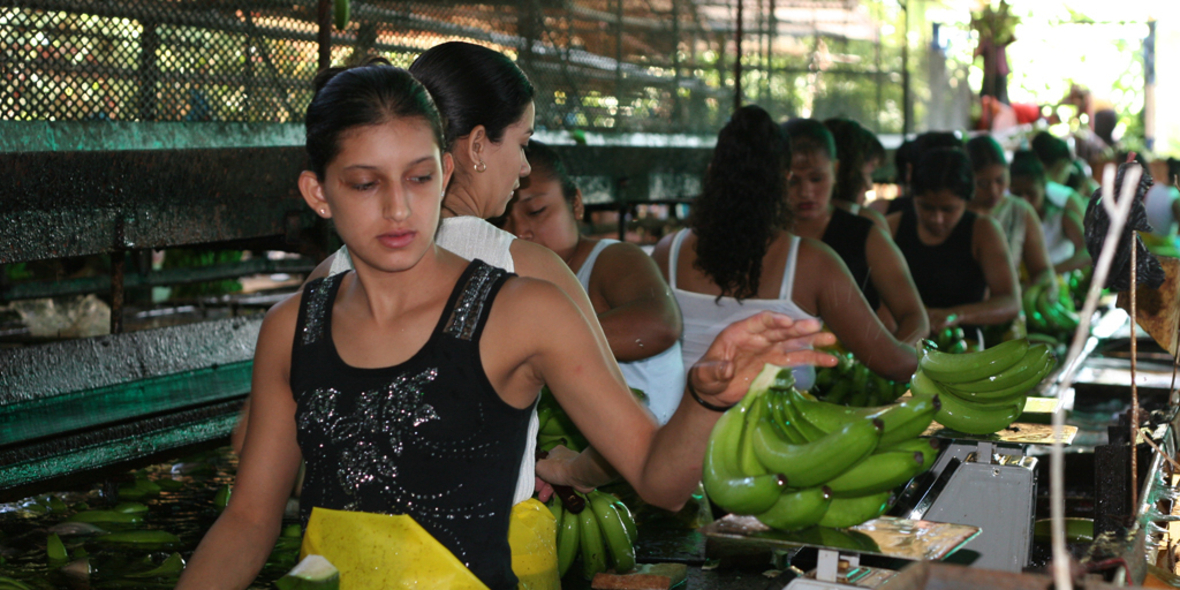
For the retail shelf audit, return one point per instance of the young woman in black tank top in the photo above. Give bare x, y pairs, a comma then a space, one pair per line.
876, 264
406, 385
959, 260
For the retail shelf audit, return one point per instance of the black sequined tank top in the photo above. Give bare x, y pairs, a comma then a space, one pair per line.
429, 437
847, 234
947, 274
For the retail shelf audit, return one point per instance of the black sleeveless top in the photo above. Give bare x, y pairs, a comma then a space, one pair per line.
429, 437
900, 204
947, 274
847, 234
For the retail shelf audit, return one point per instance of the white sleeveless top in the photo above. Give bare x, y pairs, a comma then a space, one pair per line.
471, 238
705, 316
1056, 243
662, 376
1012, 214
1157, 203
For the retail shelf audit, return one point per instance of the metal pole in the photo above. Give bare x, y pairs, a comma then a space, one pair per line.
325, 34
149, 42
737, 60
771, 35
118, 272
618, 65
907, 108
676, 65
1149, 86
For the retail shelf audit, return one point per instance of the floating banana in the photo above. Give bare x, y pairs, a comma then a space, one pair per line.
798, 509
971, 366
817, 462
846, 512
877, 474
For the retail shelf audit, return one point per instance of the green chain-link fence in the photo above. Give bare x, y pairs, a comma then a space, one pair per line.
659, 66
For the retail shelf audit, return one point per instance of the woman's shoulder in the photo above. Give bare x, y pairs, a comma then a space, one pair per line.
874, 216
278, 325
664, 247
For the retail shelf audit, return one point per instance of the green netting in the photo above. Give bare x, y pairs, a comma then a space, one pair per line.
651, 66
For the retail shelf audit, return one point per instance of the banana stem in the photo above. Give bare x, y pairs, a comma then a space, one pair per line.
1118, 217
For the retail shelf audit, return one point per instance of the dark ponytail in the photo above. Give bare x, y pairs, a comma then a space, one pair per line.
361, 96
1026, 163
944, 169
547, 164
742, 205
472, 86
985, 151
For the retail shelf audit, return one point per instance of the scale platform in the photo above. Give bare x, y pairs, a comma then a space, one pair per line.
1019, 433
897, 538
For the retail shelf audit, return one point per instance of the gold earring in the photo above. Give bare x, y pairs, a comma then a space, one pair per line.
480, 167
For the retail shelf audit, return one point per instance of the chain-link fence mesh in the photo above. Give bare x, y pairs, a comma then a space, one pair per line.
661, 66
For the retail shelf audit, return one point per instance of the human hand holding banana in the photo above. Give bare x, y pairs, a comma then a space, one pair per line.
723, 375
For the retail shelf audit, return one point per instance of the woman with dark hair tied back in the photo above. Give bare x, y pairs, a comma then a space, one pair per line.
737, 258
486, 102
907, 158
407, 383
860, 153
1018, 220
1061, 218
634, 305
1055, 157
959, 260
876, 264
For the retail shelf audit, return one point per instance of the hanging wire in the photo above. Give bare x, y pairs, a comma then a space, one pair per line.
1118, 213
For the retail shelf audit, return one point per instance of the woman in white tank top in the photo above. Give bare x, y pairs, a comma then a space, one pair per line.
489, 118
1060, 216
633, 303
736, 260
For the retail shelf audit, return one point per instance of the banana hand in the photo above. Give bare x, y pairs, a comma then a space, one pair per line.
817, 462
797, 509
617, 540
847, 512
729, 488
971, 366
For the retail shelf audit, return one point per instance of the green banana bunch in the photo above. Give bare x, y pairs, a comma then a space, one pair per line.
603, 529
851, 383
1054, 316
555, 426
830, 455
983, 392
900, 421
848, 512
727, 485
798, 509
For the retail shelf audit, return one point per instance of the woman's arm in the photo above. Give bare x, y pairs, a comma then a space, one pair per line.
1035, 255
832, 294
538, 262
891, 277
1003, 303
877, 217
641, 318
236, 547
664, 465
1071, 226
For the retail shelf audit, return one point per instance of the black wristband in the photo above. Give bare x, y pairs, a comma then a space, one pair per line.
693, 392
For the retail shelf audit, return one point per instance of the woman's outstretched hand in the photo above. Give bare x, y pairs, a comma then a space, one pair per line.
739, 352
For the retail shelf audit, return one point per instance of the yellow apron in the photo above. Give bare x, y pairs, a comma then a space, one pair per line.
374, 551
